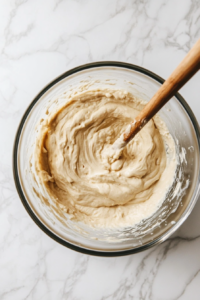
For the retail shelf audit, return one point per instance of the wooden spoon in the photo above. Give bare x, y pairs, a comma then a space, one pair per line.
185, 70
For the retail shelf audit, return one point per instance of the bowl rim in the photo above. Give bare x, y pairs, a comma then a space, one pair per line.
34, 217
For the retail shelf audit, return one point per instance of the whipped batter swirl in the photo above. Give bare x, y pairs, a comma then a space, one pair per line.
86, 178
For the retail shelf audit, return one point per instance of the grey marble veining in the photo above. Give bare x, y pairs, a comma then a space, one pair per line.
39, 40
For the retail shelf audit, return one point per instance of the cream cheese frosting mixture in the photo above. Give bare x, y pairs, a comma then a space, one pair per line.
89, 181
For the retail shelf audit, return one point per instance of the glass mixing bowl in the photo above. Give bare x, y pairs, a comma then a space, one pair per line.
181, 197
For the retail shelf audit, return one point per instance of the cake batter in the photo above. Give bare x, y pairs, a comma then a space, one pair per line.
90, 181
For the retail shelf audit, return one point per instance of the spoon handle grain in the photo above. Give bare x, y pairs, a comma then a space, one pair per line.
185, 70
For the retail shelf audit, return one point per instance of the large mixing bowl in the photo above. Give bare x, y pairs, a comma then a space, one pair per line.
181, 197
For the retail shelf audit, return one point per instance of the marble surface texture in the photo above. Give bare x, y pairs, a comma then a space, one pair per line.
40, 39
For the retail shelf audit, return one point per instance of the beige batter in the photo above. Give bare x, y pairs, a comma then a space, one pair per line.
86, 178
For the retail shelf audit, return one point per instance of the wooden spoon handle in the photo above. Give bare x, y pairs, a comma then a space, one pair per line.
185, 70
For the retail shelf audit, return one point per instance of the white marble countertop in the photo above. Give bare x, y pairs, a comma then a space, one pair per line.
39, 40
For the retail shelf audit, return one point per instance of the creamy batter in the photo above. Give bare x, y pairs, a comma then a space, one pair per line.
90, 181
